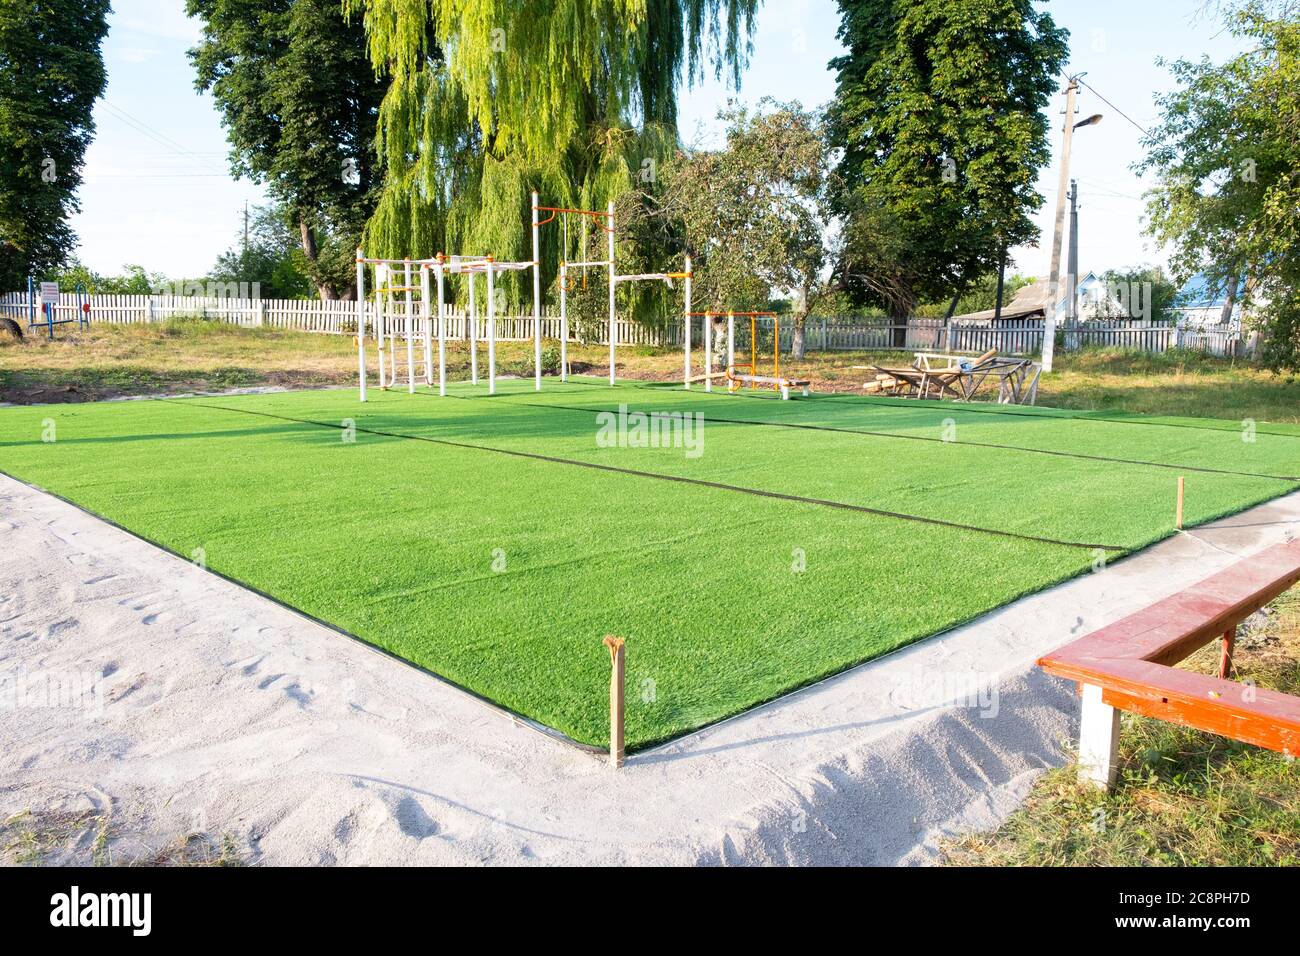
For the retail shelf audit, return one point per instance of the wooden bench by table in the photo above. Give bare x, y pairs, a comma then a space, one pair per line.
783, 385
1128, 666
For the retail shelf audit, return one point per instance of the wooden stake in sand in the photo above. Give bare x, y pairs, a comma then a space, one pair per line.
616, 699
1178, 520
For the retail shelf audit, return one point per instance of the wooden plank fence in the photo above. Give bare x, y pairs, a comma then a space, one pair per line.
853, 334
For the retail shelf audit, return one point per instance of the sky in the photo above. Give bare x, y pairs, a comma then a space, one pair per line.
158, 192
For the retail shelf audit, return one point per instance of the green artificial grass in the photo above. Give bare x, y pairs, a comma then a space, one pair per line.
495, 542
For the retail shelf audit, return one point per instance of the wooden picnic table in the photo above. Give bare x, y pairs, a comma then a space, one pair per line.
959, 377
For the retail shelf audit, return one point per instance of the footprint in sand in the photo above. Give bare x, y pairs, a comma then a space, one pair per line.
412, 820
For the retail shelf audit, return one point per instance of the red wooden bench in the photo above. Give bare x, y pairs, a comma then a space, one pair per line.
1128, 666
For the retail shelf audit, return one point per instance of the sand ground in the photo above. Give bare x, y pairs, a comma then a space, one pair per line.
187, 704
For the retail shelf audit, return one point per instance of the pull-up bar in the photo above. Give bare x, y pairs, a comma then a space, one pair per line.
738, 315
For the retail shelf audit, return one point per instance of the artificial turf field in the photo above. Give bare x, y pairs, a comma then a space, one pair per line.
495, 542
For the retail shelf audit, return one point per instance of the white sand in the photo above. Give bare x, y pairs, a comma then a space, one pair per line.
226, 713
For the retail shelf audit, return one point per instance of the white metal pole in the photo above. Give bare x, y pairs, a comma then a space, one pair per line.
361, 322
410, 329
428, 324
613, 283
492, 328
442, 328
564, 318
687, 323
537, 299
731, 341
472, 319
708, 352
381, 273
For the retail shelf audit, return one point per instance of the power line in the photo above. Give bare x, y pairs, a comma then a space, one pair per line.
140, 126
1135, 123
91, 177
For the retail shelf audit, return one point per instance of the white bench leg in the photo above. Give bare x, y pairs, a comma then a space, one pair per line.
785, 393
1098, 739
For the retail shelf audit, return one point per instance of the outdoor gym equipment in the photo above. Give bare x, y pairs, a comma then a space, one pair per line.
50, 302
737, 379
604, 221
470, 266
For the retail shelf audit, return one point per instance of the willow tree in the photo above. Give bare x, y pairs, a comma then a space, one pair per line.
491, 99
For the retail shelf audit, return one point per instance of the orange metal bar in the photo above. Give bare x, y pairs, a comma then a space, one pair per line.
719, 315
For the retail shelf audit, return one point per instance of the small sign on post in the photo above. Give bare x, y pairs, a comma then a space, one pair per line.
49, 293
617, 699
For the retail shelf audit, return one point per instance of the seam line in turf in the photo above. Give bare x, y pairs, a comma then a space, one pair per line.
834, 397
966, 407
874, 434
699, 482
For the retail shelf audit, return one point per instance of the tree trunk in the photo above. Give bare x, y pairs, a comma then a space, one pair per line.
1226, 315
312, 252
308, 240
798, 344
899, 312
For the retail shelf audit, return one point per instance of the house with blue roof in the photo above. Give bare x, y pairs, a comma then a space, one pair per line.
1198, 305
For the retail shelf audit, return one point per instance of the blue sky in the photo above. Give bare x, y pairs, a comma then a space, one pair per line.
157, 191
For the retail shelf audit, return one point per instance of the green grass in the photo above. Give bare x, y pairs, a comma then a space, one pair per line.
1184, 797
435, 536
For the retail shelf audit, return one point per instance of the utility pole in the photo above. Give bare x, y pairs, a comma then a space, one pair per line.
1054, 277
1072, 278
245, 227
1054, 280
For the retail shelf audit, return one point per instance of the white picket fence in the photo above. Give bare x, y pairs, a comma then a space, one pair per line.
1010, 337
856, 334
307, 315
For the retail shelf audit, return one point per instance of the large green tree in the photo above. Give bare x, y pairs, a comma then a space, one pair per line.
51, 73
270, 256
1227, 191
490, 99
939, 113
751, 213
300, 100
